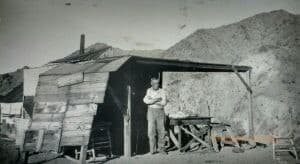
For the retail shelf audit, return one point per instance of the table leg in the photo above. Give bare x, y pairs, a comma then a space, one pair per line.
209, 136
179, 138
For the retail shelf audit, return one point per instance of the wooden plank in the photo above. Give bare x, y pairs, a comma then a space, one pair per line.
83, 151
48, 80
100, 77
250, 112
78, 88
80, 113
96, 100
40, 140
195, 137
173, 138
127, 126
51, 140
45, 125
55, 117
50, 107
31, 78
74, 127
70, 79
76, 133
73, 141
214, 140
51, 89
88, 86
78, 98
83, 119
81, 110
242, 79
21, 126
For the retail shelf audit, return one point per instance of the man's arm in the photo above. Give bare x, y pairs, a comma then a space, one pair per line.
163, 101
148, 100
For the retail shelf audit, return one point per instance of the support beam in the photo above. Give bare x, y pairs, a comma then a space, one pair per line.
127, 125
251, 125
83, 151
250, 110
242, 79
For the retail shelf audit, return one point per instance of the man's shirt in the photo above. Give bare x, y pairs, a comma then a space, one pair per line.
153, 94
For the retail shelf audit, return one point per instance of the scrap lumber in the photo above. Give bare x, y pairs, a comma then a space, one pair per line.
70, 79
195, 137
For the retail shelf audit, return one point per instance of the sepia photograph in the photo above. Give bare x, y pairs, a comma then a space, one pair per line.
149, 81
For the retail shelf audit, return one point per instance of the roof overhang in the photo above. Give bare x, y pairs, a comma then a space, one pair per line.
188, 66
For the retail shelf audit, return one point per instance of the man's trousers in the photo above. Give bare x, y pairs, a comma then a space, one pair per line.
156, 127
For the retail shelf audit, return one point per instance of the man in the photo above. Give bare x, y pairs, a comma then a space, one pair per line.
155, 98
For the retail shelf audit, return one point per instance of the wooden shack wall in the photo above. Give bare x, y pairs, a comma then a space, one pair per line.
66, 113
112, 110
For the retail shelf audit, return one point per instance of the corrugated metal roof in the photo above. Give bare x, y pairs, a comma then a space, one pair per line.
92, 52
102, 65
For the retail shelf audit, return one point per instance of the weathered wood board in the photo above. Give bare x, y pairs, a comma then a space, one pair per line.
85, 92
52, 117
73, 141
50, 107
77, 120
70, 79
48, 80
78, 98
21, 126
46, 125
101, 77
51, 140
78, 132
78, 88
81, 110
78, 123
75, 127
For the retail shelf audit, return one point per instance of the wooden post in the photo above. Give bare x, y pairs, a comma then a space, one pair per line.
127, 125
251, 126
83, 151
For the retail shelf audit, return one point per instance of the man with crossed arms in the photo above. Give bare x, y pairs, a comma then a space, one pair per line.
155, 98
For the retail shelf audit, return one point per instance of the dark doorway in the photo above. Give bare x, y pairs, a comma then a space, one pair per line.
141, 82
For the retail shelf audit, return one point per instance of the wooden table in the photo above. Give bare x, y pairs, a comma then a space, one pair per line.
189, 121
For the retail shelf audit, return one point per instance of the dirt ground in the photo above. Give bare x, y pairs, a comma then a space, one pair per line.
226, 156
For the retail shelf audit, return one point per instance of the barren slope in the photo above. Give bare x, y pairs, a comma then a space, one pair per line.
268, 42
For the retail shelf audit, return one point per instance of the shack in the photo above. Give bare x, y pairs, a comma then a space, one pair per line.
73, 98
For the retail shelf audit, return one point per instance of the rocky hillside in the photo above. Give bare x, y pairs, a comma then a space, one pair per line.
268, 42
11, 86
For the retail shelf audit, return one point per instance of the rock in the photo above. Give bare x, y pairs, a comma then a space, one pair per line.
238, 150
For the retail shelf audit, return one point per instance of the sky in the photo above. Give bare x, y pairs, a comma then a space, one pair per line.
34, 32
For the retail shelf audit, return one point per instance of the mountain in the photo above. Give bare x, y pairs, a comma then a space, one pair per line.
11, 86
270, 44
